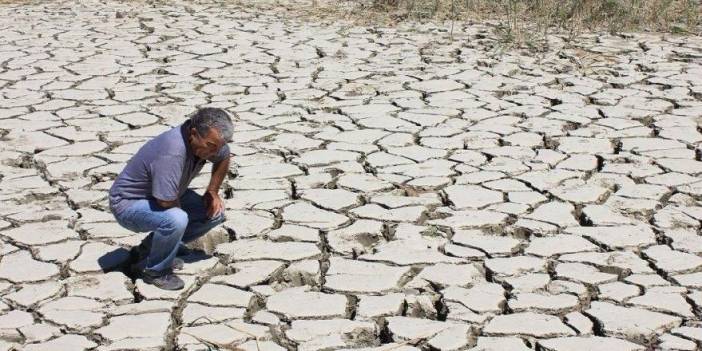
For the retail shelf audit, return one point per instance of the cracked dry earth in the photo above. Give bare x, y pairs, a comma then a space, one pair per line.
390, 189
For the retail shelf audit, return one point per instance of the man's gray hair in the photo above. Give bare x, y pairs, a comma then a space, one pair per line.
210, 117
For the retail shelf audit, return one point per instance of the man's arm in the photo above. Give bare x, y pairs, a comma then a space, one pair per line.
219, 171
214, 203
166, 171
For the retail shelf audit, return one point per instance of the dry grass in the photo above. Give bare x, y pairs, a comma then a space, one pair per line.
526, 22
613, 15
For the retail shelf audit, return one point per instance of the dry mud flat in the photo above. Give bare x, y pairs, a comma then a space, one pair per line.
391, 185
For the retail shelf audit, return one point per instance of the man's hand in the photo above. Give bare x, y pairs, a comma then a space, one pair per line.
213, 203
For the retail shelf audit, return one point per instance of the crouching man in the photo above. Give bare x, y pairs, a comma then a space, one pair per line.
151, 193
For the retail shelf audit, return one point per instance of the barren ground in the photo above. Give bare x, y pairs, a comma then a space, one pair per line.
388, 184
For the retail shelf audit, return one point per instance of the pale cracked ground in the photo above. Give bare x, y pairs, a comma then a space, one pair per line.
389, 189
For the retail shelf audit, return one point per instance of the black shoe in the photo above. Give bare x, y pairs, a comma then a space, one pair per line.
138, 266
165, 281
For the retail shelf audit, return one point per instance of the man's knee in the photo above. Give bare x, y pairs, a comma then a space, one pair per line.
175, 219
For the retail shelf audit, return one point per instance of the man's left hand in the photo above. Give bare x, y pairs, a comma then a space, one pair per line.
213, 203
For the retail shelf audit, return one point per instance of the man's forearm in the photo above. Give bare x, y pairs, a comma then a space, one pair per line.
219, 172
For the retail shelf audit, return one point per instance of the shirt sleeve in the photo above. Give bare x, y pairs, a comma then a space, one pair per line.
166, 171
223, 153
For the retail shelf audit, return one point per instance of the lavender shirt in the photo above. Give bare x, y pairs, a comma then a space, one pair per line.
161, 169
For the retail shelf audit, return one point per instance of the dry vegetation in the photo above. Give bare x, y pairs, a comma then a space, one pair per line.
526, 22
614, 15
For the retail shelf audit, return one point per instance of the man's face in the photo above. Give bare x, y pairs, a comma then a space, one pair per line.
206, 146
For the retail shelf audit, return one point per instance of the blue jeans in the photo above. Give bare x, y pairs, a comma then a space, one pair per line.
171, 227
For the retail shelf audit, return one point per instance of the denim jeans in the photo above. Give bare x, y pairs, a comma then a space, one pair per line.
171, 227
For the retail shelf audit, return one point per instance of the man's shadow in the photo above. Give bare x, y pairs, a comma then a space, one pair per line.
115, 260
195, 256
123, 260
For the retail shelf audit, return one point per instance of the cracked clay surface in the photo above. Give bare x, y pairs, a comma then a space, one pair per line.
390, 188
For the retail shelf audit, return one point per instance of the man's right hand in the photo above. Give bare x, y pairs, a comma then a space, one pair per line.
213, 203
